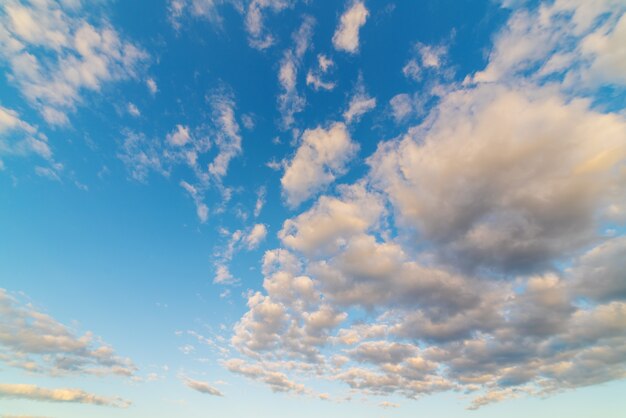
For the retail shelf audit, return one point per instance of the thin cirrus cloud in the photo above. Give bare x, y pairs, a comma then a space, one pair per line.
202, 387
36, 393
36, 342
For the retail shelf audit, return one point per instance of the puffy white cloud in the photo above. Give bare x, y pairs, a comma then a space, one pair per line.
322, 156
332, 221
202, 387
36, 342
81, 56
500, 194
36, 393
346, 37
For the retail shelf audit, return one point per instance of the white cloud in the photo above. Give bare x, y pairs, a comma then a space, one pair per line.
322, 156
360, 103
258, 38
228, 139
36, 393
346, 37
314, 76
81, 57
202, 209
133, 110
223, 276
202, 387
401, 106
179, 136
412, 70
256, 236
260, 201
19, 138
290, 101
152, 86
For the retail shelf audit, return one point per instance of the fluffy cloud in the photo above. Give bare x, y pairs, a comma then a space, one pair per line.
36, 393
495, 193
202, 387
36, 342
322, 156
81, 57
444, 267
346, 37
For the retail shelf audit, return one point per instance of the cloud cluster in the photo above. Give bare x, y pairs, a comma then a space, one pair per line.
190, 147
81, 56
36, 342
483, 251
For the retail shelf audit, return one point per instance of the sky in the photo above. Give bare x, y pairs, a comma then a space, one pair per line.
300, 208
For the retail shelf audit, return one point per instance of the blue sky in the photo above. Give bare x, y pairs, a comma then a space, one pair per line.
279, 208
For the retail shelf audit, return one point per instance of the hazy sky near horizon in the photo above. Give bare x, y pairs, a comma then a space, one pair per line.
283, 208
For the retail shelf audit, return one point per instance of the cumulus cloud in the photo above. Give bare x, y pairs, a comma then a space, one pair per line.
202, 387
469, 257
346, 37
527, 196
80, 56
34, 341
36, 393
322, 156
